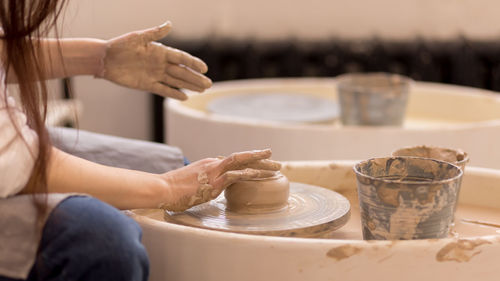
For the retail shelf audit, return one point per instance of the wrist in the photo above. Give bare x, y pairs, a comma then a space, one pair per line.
151, 191
163, 192
96, 56
83, 56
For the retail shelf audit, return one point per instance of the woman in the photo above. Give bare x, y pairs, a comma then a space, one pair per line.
46, 233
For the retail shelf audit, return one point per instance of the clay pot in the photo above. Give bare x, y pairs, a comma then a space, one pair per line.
258, 195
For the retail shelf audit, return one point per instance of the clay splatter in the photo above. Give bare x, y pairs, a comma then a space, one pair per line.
343, 252
385, 258
334, 166
461, 251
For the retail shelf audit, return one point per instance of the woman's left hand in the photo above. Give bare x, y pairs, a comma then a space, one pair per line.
135, 60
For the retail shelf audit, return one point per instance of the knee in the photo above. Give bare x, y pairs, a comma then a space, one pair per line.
96, 231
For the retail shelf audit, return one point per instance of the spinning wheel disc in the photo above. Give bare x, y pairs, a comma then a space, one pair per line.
312, 211
295, 108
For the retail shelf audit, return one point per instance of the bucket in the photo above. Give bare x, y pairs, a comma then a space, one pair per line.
404, 198
372, 99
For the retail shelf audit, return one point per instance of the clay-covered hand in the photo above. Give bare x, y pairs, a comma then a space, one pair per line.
135, 60
205, 179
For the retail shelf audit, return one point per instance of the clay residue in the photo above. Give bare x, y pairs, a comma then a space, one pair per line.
334, 166
483, 223
265, 164
440, 153
427, 194
461, 251
397, 169
405, 221
203, 194
349, 174
385, 258
203, 178
239, 161
388, 195
343, 252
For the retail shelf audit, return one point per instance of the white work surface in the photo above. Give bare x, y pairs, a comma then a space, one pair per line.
184, 253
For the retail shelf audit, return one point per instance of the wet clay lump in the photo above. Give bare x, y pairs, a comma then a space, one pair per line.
259, 195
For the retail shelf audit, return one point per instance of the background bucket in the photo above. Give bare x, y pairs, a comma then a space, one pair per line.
373, 99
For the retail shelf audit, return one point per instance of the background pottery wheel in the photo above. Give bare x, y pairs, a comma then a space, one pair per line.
276, 107
450, 120
312, 211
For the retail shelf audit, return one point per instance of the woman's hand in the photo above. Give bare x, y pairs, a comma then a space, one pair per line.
134, 60
205, 179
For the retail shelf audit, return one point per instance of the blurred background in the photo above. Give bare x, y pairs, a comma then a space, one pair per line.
447, 41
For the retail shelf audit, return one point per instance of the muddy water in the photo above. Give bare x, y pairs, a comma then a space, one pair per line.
470, 221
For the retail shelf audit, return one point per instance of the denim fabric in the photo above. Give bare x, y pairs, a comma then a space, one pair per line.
86, 239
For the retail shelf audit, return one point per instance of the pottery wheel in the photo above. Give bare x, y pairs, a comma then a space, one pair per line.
312, 211
276, 107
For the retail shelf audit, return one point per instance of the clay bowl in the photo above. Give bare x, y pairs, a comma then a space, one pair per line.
471, 252
258, 195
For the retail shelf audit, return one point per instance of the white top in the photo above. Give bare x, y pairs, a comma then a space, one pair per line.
17, 156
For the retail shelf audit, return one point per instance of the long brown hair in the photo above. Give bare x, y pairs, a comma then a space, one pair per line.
23, 22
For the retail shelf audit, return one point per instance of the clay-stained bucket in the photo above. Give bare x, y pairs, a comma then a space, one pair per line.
454, 156
373, 99
407, 197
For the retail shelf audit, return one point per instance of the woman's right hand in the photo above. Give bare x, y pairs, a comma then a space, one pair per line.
136, 61
205, 179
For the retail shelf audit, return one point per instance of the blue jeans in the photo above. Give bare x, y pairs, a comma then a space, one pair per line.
86, 239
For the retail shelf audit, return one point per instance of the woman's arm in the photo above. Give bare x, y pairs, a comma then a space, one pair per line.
72, 57
69, 57
122, 188
132, 60
176, 190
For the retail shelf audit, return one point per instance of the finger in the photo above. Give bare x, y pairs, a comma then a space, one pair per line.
231, 177
240, 160
265, 164
154, 33
188, 75
166, 91
174, 82
176, 56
